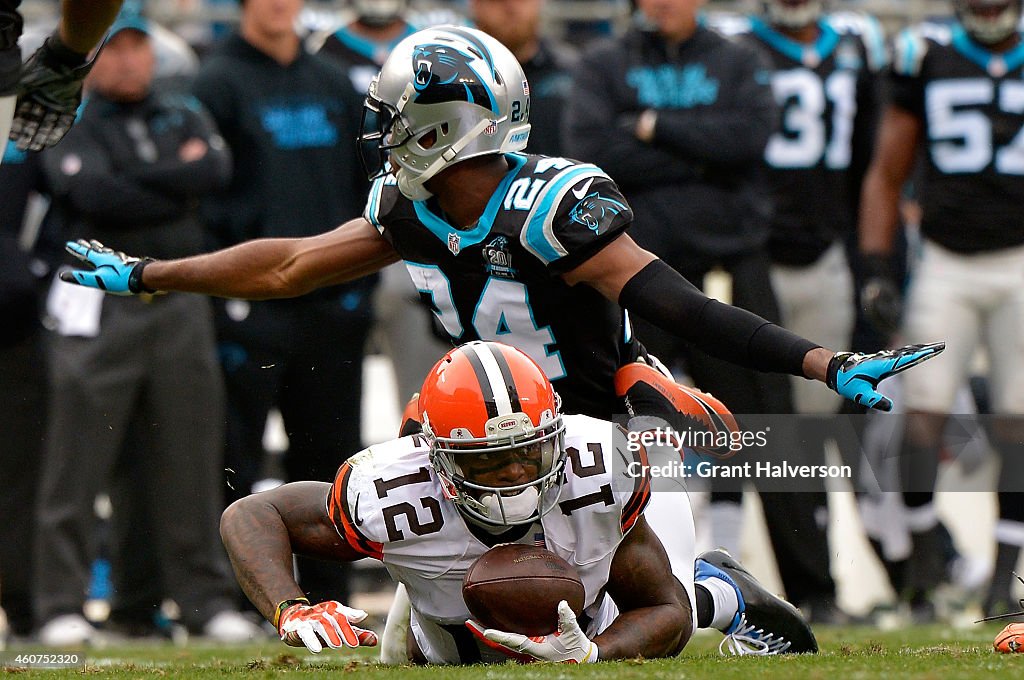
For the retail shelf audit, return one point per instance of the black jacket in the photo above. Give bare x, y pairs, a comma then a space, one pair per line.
117, 176
697, 188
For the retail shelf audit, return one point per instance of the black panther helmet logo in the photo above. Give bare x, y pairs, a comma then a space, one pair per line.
595, 210
443, 74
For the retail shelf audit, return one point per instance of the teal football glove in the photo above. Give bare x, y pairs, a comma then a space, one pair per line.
855, 376
113, 271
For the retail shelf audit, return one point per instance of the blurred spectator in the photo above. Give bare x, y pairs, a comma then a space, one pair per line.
824, 73
546, 63
132, 170
23, 384
954, 89
404, 327
290, 119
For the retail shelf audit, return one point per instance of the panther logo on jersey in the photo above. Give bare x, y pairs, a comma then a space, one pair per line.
444, 74
497, 259
595, 211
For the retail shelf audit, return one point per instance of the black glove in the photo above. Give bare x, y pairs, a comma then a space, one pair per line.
49, 92
880, 295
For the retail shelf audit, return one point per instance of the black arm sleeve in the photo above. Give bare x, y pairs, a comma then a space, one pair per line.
659, 294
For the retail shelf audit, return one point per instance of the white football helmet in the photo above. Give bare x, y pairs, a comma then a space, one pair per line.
792, 13
444, 94
988, 21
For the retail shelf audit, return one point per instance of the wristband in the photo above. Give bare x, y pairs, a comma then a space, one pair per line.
135, 284
62, 54
283, 605
832, 372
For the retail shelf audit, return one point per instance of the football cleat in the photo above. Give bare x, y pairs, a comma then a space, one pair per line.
646, 391
1010, 639
764, 624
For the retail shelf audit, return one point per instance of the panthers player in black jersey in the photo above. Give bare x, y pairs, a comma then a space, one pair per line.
38, 102
499, 243
824, 76
957, 96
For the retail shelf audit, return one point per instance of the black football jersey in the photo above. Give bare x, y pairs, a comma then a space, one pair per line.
972, 104
10, 55
826, 92
500, 280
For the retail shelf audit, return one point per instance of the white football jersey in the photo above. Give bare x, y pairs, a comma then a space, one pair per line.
387, 503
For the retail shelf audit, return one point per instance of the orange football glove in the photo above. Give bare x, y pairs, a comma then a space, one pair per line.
326, 623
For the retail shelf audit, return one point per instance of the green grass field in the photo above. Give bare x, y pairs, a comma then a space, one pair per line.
937, 652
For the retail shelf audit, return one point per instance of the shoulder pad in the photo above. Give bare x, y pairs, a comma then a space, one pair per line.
378, 201
911, 46
868, 29
572, 195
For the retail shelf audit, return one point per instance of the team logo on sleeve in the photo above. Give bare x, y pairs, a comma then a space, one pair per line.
596, 211
497, 259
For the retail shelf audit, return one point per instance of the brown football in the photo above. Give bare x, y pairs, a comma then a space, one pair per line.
517, 588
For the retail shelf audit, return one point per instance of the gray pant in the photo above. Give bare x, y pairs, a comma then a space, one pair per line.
153, 363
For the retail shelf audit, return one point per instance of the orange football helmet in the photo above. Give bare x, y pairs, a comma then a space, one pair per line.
1010, 639
484, 406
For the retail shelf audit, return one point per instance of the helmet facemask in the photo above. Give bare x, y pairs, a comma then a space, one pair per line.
989, 22
468, 467
792, 15
444, 95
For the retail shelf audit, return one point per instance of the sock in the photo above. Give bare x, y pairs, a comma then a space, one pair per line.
705, 606
724, 600
726, 525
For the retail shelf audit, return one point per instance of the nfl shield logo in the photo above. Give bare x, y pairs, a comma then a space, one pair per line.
453, 243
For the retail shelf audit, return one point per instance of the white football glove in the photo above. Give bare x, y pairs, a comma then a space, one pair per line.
326, 623
569, 644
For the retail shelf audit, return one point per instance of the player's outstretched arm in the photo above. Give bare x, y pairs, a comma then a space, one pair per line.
262, 531
649, 288
259, 269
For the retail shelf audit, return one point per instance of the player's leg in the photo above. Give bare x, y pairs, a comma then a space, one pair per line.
394, 641
1003, 332
943, 302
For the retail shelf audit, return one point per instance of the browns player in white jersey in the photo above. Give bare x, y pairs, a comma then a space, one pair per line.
497, 462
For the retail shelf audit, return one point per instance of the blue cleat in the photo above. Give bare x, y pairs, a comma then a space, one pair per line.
764, 624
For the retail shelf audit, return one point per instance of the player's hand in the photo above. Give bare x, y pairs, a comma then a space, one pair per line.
113, 271
855, 376
880, 295
569, 644
49, 92
325, 623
